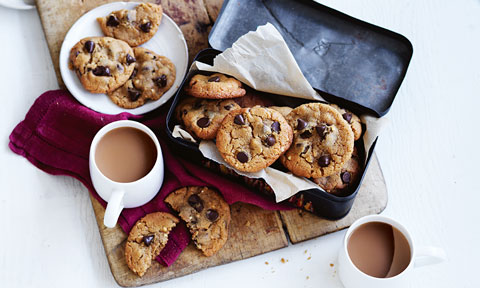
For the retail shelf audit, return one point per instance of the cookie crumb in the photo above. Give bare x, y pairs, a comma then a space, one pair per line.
309, 257
266, 263
305, 252
283, 260
331, 265
247, 223
308, 277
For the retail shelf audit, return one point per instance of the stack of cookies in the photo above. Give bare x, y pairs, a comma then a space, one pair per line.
115, 66
313, 140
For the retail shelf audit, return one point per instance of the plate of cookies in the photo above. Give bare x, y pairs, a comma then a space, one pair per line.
124, 57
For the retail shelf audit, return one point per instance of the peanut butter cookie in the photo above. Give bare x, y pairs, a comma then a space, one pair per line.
207, 216
101, 63
133, 26
251, 139
322, 144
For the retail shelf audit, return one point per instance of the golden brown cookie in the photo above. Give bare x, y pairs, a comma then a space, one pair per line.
146, 239
251, 139
133, 26
152, 76
347, 176
215, 86
284, 110
207, 216
352, 119
203, 117
322, 141
101, 63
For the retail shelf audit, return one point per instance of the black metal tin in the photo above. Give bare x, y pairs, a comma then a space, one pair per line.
339, 55
310, 19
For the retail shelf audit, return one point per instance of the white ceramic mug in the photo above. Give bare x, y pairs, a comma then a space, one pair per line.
351, 276
125, 195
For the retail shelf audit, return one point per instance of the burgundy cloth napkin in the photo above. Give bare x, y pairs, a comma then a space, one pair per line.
56, 135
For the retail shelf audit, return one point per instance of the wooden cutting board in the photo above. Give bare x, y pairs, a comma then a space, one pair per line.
253, 230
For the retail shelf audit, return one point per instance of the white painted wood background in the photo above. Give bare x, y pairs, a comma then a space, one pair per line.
429, 155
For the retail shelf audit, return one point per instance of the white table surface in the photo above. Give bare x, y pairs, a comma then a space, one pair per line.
429, 155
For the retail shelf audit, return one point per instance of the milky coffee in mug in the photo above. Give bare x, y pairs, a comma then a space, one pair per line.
379, 250
125, 154
126, 166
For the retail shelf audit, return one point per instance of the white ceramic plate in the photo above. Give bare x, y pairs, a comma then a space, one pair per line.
18, 4
168, 41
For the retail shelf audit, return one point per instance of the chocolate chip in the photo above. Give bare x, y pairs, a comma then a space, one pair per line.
301, 124
198, 104
321, 130
214, 79
133, 94
227, 107
270, 141
324, 161
134, 73
130, 59
119, 67
212, 215
112, 21
347, 116
203, 122
242, 157
239, 120
305, 149
154, 57
276, 126
101, 71
346, 177
161, 81
184, 112
76, 53
146, 27
195, 201
305, 135
148, 239
89, 46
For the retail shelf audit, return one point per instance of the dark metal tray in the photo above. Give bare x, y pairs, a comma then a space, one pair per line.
354, 64
340, 56
321, 203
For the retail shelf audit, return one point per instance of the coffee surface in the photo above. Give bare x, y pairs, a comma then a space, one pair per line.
379, 249
125, 154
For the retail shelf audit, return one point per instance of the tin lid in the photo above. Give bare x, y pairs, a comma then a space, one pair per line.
342, 57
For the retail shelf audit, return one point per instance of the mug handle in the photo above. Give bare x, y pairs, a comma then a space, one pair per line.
428, 255
114, 208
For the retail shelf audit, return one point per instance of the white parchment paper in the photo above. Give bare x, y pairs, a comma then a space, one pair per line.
262, 60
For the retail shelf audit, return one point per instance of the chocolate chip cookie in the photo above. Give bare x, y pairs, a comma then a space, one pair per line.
251, 139
215, 86
284, 110
203, 117
152, 76
146, 239
101, 63
352, 119
348, 175
133, 26
207, 216
322, 141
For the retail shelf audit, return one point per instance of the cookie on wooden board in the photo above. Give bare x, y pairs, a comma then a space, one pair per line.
146, 239
207, 216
